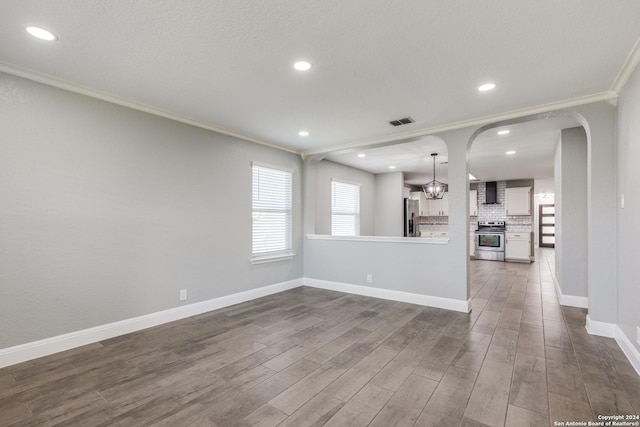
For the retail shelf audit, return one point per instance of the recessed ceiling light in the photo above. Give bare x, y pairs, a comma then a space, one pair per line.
486, 87
503, 132
362, 155
303, 133
392, 167
42, 34
510, 152
302, 66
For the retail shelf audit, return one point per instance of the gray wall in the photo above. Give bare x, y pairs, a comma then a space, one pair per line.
628, 234
326, 171
107, 212
600, 120
571, 212
389, 204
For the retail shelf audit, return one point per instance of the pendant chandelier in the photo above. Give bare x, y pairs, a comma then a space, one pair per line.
435, 189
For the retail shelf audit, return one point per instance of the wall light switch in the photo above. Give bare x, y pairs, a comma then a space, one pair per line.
183, 294
622, 201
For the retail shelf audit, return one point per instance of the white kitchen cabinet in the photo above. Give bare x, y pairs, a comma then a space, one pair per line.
427, 207
423, 203
435, 234
472, 244
439, 207
473, 203
435, 206
518, 200
445, 204
517, 246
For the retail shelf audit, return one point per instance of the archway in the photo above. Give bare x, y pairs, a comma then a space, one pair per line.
569, 266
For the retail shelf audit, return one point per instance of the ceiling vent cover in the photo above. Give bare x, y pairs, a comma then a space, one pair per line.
403, 121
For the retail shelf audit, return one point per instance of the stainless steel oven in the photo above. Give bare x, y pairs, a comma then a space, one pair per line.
490, 240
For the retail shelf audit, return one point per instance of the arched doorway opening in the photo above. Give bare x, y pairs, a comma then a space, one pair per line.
541, 152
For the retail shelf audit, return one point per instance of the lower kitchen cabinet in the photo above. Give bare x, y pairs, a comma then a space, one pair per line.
517, 246
435, 234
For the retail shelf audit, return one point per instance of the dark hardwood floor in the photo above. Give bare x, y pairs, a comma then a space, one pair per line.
309, 357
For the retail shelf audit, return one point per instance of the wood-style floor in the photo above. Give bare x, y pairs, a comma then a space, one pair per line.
310, 357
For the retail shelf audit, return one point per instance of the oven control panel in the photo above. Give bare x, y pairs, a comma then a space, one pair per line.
491, 223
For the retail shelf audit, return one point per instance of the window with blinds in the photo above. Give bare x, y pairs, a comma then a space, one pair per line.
345, 209
272, 214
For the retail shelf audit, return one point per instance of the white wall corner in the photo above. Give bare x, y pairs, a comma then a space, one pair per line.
29, 351
408, 297
628, 349
602, 329
571, 300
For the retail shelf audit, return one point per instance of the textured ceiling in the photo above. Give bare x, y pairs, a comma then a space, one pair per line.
228, 64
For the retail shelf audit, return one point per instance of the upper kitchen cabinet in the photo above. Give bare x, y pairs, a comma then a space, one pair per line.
439, 207
422, 202
473, 203
518, 201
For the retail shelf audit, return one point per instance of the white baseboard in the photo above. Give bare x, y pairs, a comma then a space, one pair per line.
426, 300
602, 329
22, 353
628, 349
571, 300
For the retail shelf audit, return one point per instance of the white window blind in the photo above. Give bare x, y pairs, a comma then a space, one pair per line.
272, 215
345, 209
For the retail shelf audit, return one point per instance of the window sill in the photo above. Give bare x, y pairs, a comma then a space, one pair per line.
383, 239
263, 259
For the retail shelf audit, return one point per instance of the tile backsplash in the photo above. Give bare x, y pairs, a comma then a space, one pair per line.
434, 223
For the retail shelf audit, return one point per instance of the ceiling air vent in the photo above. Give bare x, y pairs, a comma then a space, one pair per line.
400, 122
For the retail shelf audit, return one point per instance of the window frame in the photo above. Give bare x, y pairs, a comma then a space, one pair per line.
279, 254
356, 215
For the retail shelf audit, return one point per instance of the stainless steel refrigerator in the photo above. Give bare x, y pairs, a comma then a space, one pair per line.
411, 213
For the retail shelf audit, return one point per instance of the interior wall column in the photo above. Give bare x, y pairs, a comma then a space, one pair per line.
599, 121
458, 181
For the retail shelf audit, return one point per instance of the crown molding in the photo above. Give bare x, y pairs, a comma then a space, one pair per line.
103, 96
607, 96
630, 64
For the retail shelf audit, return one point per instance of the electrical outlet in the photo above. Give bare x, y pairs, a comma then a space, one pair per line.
183, 294
638, 334
369, 278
